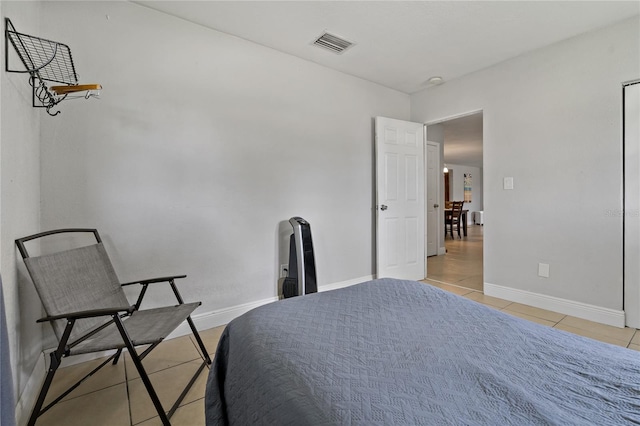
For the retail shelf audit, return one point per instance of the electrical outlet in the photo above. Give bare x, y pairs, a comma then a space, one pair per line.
508, 183
543, 270
284, 269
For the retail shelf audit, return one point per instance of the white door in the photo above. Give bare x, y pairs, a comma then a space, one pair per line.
399, 199
631, 215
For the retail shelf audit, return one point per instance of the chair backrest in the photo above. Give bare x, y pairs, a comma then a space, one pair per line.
75, 280
456, 209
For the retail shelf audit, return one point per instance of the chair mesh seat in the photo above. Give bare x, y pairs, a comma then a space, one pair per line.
74, 280
144, 327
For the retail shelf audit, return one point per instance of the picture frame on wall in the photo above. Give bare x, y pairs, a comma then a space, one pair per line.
467, 187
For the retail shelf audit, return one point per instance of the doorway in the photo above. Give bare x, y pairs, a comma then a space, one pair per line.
459, 261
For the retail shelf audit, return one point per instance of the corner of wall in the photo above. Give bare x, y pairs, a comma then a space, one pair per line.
20, 211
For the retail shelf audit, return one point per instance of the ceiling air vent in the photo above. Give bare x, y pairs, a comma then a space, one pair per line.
333, 43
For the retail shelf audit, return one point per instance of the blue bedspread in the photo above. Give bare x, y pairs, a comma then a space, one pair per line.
390, 352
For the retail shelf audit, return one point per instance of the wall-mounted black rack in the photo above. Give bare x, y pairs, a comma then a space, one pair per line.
45, 61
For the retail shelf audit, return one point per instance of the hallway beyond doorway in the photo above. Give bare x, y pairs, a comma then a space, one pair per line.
462, 265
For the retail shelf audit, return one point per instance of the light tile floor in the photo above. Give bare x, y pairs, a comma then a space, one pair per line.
115, 396
626, 337
462, 265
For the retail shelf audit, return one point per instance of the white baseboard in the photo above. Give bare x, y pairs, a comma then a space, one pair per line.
347, 283
442, 250
220, 317
594, 313
206, 320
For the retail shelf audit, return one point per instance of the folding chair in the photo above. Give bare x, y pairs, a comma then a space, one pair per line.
87, 307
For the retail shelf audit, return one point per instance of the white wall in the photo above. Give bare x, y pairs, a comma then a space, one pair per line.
456, 176
552, 121
20, 202
201, 145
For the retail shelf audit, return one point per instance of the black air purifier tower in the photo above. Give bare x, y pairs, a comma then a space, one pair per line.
301, 277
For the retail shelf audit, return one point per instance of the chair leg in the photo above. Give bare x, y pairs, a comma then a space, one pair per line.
117, 356
143, 374
186, 389
75, 385
55, 363
56, 359
205, 354
203, 349
206, 362
147, 384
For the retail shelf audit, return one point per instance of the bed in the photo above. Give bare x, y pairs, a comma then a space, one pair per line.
393, 352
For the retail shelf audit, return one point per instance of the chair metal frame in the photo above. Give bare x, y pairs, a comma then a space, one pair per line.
117, 314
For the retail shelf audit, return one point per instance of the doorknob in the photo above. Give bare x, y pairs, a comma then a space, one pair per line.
435, 206
383, 207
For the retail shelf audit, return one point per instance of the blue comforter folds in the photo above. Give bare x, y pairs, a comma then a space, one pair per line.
391, 352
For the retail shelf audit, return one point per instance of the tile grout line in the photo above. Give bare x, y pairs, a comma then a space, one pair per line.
454, 285
180, 363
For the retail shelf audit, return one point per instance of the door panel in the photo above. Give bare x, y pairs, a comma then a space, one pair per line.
411, 239
411, 176
400, 214
391, 177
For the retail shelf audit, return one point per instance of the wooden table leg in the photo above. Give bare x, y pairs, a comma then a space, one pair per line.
464, 223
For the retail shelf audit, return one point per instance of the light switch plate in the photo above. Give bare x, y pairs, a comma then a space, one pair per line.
543, 270
284, 270
508, 183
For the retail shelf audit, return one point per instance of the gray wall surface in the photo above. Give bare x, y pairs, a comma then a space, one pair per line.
552, 121
200, 146
20, 202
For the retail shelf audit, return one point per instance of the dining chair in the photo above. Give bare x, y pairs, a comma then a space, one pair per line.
454, 218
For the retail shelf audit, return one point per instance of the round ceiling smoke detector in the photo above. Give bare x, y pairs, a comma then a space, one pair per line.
435, 80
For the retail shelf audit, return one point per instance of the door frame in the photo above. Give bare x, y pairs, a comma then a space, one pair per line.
442, 250
438, 197
630, 223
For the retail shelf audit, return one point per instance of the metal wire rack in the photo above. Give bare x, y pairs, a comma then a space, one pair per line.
45, 61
